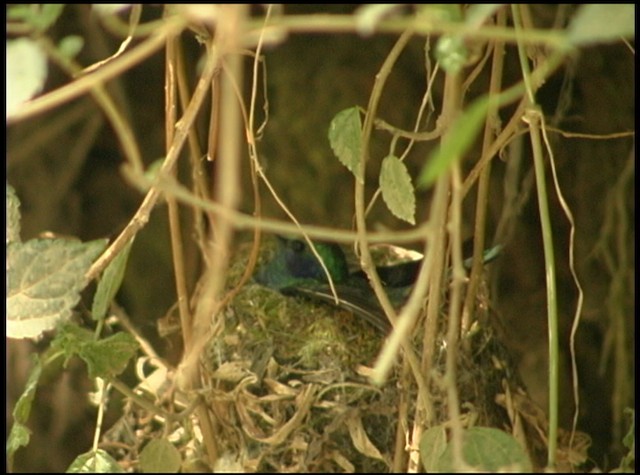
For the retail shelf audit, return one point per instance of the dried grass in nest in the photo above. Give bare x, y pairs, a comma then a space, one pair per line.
287, 371
286, 383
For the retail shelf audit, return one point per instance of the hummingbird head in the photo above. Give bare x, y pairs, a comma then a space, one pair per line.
294, 263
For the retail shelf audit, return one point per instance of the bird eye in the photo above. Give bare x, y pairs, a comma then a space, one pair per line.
297, 245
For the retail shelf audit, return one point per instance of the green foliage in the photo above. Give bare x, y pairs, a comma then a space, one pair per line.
45, 277
26, 72
452, 53
483, 448
432, 446
397, 189
110, 283
602, 23
97, 461
20, 434
105, 358
628, 462
13, 215
70, 46
39, 17
345, 137
463, 133
160, 456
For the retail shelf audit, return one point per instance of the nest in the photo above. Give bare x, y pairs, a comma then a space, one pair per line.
286, 383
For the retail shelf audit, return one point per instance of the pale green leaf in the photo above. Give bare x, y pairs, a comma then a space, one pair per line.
488, 450
478, 13
452, 53
602, 23
22, 408
108, 357
397, 189
464, 133
70, 338
160, 456
45, 277
19, 436
20, 433
432, 446
13, 215
95, 462
110, 283
48, 15
70, 46
345, 135
26, 72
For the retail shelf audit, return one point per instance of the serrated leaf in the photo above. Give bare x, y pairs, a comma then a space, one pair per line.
26, 72
110, 283
70, 338
108, 357
160, 456
44, 280
602, 23
13, 215
345, 135
95, 462
489, 450
397, 189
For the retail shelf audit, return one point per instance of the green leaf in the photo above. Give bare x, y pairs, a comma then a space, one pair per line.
488, 450
105, 358
49, 14
108, 357
629, 440
20, 434
26, 72
397, 189
18, 437
70, 338
602, 23
345, 137
110, 283
452, 53
478, 13
39, 17
13, 215
439, 12
22, 408
45, 277
160, 456
95, 462
70, 46
463, 134
432, 446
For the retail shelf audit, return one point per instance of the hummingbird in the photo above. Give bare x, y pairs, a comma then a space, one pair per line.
295, 270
